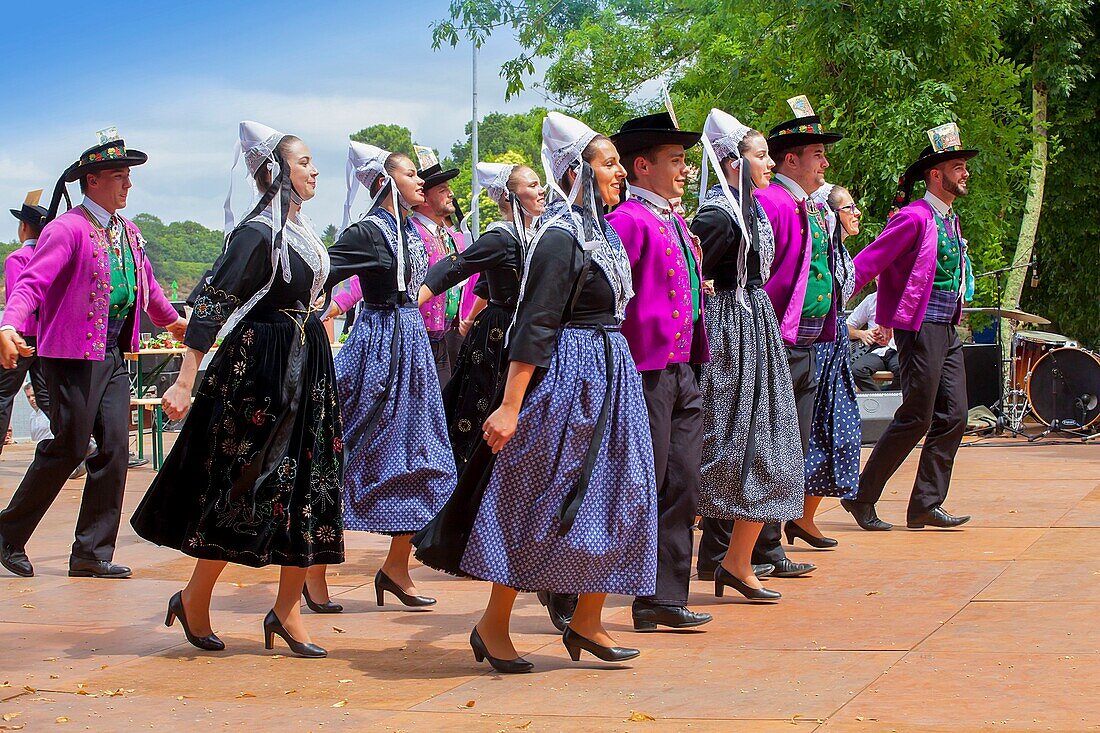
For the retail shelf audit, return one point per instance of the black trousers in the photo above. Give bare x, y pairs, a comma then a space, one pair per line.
769, 545
864, 368
86, 398
11, 384
441, 354
933, 387
675, 408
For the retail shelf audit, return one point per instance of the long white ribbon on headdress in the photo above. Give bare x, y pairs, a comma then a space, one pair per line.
396, 198
228, 207
742, 258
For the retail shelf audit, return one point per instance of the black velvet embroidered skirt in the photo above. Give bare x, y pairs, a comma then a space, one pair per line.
255, 475
472, 391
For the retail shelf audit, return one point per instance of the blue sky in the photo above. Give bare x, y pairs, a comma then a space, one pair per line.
176, 78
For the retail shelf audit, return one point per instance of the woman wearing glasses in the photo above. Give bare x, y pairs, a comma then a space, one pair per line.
832, 460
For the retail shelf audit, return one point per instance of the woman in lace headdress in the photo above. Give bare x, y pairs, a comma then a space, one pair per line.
752, 455
254, 477
569, 504
474, 388
400, 469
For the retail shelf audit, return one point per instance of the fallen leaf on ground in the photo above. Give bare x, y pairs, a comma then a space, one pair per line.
8, 717
17, 726
637, 717
343, 682
471, 703
50, 659
28, 688
244, 694
55, 676
525, 726
341, 704
338, 630
61, 719
28, 605
872, 593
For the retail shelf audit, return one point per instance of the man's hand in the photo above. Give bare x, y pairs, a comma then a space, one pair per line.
12, 346
176, 401
464, 326
867, 338
883, 335
177, 329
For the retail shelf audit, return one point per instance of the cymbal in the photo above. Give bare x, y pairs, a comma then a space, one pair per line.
1011, 314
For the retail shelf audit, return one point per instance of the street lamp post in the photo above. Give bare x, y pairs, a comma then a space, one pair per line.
474, 207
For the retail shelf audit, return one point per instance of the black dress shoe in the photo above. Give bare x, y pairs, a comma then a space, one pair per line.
327, 607
209, 643
723, 578
382, 583
518, 665
559, 606
16, 561
80, 568
574, 643
865, 516
793, 530
648, 616
273, 626
936, 517
787, 568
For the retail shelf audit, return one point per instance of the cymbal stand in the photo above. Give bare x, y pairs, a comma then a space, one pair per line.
998, 408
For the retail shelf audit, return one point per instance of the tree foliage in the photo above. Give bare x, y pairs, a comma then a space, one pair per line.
880, 71
394, 138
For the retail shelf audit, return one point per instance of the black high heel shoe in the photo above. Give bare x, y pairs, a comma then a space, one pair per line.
273, 626
723, 577
327, 607
507, 666
574, 643
382, 583
792, 530
209, 643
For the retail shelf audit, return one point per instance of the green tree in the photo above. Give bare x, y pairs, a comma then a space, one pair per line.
881, 71
328, 236
1048, 36
394, 138
1068, 238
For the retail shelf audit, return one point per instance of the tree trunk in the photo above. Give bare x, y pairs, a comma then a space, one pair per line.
1025, 244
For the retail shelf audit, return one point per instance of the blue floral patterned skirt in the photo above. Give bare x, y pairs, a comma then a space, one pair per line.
611, 546
400, 468
255, 474
832, 462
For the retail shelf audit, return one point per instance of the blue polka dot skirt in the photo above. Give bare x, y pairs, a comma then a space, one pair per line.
400, 469
612, 545
832, 462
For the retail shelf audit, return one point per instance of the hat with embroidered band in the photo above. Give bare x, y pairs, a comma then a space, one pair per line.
429, 170
946, 145
804, 129
31, 213
649, 131
111, 152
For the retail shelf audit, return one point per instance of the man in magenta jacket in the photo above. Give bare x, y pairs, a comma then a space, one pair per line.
88, 279
30, 216
801, 282
664, 327
922, 269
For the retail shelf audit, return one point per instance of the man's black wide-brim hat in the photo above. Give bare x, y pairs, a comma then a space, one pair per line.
797, 132
113, 154
649, 131
434, 175
928, 158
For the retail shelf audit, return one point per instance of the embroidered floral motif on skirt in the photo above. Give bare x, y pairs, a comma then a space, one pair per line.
267, 405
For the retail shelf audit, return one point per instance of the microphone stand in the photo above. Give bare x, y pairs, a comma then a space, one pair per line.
998, 407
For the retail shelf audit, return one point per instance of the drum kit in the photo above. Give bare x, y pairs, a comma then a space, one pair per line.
1050, 377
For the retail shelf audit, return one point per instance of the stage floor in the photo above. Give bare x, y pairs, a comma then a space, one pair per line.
995, 626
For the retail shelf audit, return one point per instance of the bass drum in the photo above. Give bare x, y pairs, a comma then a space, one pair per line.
1065, 388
